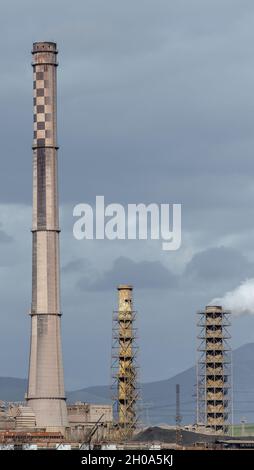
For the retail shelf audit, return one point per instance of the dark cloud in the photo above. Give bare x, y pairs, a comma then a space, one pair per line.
165, 86
143, 275
155, 105
218, 264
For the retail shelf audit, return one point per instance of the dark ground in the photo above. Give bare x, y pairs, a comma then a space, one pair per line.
189, 438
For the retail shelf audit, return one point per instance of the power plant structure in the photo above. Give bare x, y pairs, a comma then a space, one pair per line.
45, 395
45, 421
214, 403
124, 364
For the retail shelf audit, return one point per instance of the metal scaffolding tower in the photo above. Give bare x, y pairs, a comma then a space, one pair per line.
214, 403
124, 364
178, 417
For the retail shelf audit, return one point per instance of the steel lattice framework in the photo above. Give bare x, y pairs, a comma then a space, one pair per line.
124, 365
214, 403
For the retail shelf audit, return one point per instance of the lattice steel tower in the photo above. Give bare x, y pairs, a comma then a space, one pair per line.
178, 417
46, 395
124, 364
214, 404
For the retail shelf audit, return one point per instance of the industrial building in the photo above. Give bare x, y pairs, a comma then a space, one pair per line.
84, 417
214, 370
85, 420
7, 421
25, 418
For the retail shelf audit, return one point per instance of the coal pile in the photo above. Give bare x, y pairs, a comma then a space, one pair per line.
189, 438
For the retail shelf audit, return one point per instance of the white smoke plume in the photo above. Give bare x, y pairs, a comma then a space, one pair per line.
239, 300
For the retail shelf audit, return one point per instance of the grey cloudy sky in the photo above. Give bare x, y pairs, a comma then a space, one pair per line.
155, 105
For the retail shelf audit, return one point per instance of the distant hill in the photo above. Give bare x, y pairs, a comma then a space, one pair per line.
158, 398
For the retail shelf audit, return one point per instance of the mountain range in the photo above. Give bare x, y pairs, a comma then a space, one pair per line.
158, 398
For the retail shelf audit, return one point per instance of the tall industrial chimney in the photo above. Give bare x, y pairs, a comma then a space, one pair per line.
46, 395
124, 364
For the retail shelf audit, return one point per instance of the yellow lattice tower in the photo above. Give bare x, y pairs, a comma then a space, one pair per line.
124, 363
